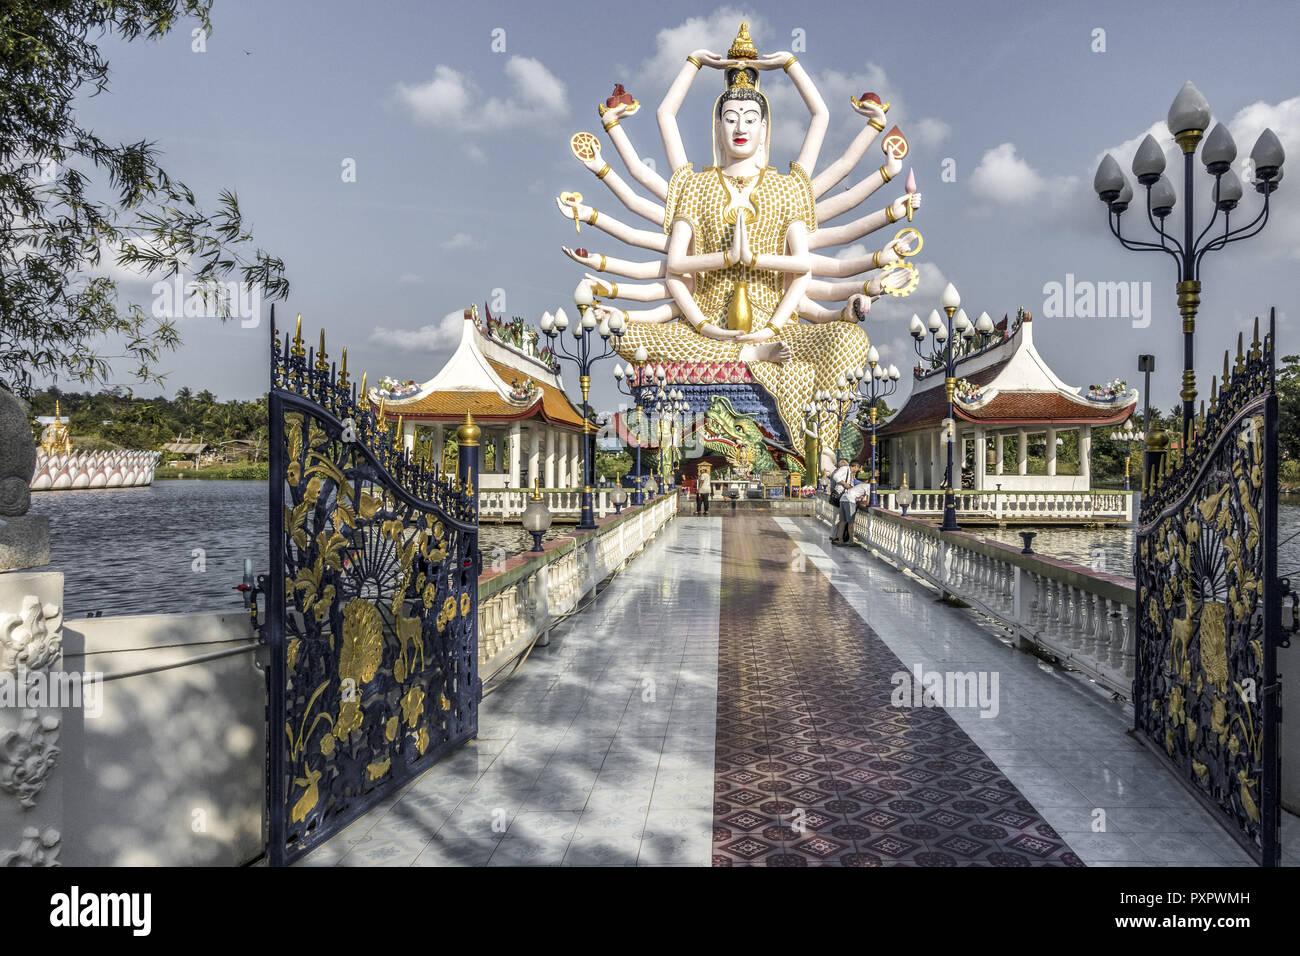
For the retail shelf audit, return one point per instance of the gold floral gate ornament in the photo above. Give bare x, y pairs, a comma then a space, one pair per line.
1206, 689
371, 603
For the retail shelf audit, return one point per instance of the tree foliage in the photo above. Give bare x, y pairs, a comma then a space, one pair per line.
70, 200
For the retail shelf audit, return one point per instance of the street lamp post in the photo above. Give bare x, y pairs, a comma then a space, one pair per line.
941, 349
1188, 117
1127, 435
872, 384
607, 328
624, 379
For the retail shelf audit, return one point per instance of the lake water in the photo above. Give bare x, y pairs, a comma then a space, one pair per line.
177, 545
180, 545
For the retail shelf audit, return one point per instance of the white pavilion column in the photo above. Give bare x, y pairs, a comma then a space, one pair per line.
981, 458
1085, 452
437, 444
408, 436
552, 437
1051, 451
997, 453
534, 452
1022, 452
576, 471
935, 469
515, 449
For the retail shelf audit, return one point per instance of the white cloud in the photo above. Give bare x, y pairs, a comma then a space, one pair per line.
461, 240
930, 131
1003, 177
428, 338
713, 32
451, 100
410, 278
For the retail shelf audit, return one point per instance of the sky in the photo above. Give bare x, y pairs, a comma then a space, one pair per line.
402, 158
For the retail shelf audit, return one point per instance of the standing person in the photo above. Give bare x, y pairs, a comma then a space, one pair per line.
703, 489
851, 492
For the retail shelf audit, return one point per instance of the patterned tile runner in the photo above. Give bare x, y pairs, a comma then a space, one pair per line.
813, 765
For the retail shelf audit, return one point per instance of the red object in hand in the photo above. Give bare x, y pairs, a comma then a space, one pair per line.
620, 97
580, 253
870, 98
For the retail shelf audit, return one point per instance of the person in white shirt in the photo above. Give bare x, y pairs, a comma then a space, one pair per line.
853, 491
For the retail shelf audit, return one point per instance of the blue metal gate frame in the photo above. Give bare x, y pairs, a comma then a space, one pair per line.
372, 603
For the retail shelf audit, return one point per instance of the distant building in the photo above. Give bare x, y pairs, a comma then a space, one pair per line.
1004, 392
516, 396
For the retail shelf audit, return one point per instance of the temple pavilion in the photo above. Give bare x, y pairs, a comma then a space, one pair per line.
530, 429
1006, 397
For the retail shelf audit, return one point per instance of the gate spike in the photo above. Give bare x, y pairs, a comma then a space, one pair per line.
1241, 358
1225, 368
1255, 351
321, 363
365, 396
298, 350
1214, 393
343, 369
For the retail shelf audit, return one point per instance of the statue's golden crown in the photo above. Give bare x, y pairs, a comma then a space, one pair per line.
742, 48
742, 77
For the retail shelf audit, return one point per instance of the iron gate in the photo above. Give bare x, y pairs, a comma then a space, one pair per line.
371, 604
1206, 690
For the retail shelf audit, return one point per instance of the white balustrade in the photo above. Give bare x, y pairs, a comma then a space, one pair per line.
1019, 505
518, 605
1085, 620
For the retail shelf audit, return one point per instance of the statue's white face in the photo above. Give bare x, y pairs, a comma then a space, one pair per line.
743, 129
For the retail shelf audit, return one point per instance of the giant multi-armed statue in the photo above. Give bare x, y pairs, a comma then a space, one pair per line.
742, 275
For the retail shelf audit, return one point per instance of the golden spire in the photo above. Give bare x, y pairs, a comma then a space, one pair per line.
343, 369
1241, 358
321, 364
1255, 351
298, 351
742, 48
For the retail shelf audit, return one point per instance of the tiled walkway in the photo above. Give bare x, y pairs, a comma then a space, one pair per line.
602, 749
814, 765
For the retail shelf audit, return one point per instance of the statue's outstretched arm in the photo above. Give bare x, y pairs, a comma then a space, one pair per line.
632, 292
619, 230
855, 308
619, 267
676, 95
643, 207
843, 201
829, 267
642, 173
837, 170
850, 232
820, 115
839, 291
664, 312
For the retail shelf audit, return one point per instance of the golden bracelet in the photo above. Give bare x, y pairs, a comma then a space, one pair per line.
890, 215
591, 220
613, 291
726, 259
885, 173
875, 258
698, 64
603, 172
601, 267
754, 263
610, 126
790, 62
865, 290
875, 124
